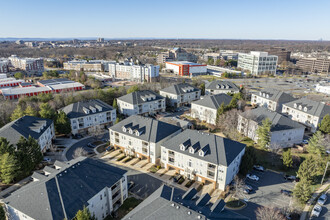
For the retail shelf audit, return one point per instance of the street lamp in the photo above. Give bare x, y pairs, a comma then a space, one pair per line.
325, 171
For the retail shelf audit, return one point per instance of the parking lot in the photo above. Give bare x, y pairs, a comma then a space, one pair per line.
267, 192
325, 214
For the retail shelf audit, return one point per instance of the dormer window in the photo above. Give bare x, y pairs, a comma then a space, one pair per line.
260, 93
124, 129
264, 94
300, 107
86, 110
218, 86
130, 131
137, 133
267, 96
295, 105
191, 150
182, 147
201, 153
305, 109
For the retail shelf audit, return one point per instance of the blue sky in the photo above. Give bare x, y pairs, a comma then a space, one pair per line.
218, 19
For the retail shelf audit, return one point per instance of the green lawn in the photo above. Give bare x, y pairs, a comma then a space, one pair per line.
128, 205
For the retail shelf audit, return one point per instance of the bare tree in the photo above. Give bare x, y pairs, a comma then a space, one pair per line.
266, 213
79, 152
238, 186
96, 131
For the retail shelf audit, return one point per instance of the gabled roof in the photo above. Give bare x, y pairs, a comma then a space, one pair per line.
214, 101
168, 203
25, 126
67, 189
150, 129
222, 85
279, 121
221, 151
136, 98
315, 108
180, 89
76, 110
275, 95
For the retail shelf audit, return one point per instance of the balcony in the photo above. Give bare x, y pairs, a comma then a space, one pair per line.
210, 174
211, 168
171, 160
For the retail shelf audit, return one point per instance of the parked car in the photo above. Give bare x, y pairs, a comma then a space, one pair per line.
322, 199
130, 184
259, 168
252, 177
47, 159
316, 211
291, 178
286, 192
305, 141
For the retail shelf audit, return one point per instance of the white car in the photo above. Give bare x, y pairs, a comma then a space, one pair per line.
323, 198
252, 177
259, 168
316, 211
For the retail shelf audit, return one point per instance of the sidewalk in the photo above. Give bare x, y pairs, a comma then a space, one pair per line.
311, 200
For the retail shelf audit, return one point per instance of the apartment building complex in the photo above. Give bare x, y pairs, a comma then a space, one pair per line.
27, 64
314, 65
272, 99
91, 65
185, 68
307, 112
284, 132
203, 157
40, 129
176, 54
173, 203
223, 54
143, 102
180, 94
218, 87
138, 73
142, 137
60, 191
206, 108
4, 65
86, 115
257, 63
281, 53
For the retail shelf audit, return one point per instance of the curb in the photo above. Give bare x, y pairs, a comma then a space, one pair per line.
239, 208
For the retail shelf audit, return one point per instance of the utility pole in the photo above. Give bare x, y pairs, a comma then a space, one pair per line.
325, 171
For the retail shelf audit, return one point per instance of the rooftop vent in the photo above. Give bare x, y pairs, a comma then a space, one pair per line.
177, 207
189, 212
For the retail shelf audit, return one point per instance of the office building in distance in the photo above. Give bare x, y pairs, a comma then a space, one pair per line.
185, 68
257, 63
314, 65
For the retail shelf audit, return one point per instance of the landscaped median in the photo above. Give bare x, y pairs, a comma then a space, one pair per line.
235, 204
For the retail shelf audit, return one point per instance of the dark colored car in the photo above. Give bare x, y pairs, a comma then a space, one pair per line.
286, 192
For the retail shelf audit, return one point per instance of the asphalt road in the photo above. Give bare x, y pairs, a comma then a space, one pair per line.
83, 143
267, 192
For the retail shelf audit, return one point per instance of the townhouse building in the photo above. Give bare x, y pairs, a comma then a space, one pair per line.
86, 115
60, 191
180, 94
4, 65
257, 63
143, 102
172, 203
40, 129
217, 87
27, 64
307, 112
142, 137
206, 108
284, 132
203, 157
272, 99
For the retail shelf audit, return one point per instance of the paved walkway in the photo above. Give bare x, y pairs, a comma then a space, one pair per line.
311, 200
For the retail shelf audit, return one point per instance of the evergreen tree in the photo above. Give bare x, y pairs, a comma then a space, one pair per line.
287, 158
220, 111
233, 103
28, 154
2, 213
8, 168
303, 191
84, 215
317, 144
325, 124
263, 133
62, 123
117, 120
114, 104
46, 111
309, 169
202, 88
5, 146
18, 113
30, 111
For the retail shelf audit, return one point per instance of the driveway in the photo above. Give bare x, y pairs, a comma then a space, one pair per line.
267, 192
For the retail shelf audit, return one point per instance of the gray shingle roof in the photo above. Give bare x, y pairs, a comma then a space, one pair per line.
136, 97
220, 151
24, 127
313, 107
180, 89
168, 203
76, 110
276, 95
222, 85
77, 184
214, 101
151, 129
279, 121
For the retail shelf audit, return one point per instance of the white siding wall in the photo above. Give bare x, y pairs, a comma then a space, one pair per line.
45, 140
302, 117
186, 98
147, 107
203, 113
219, 91
262, 101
